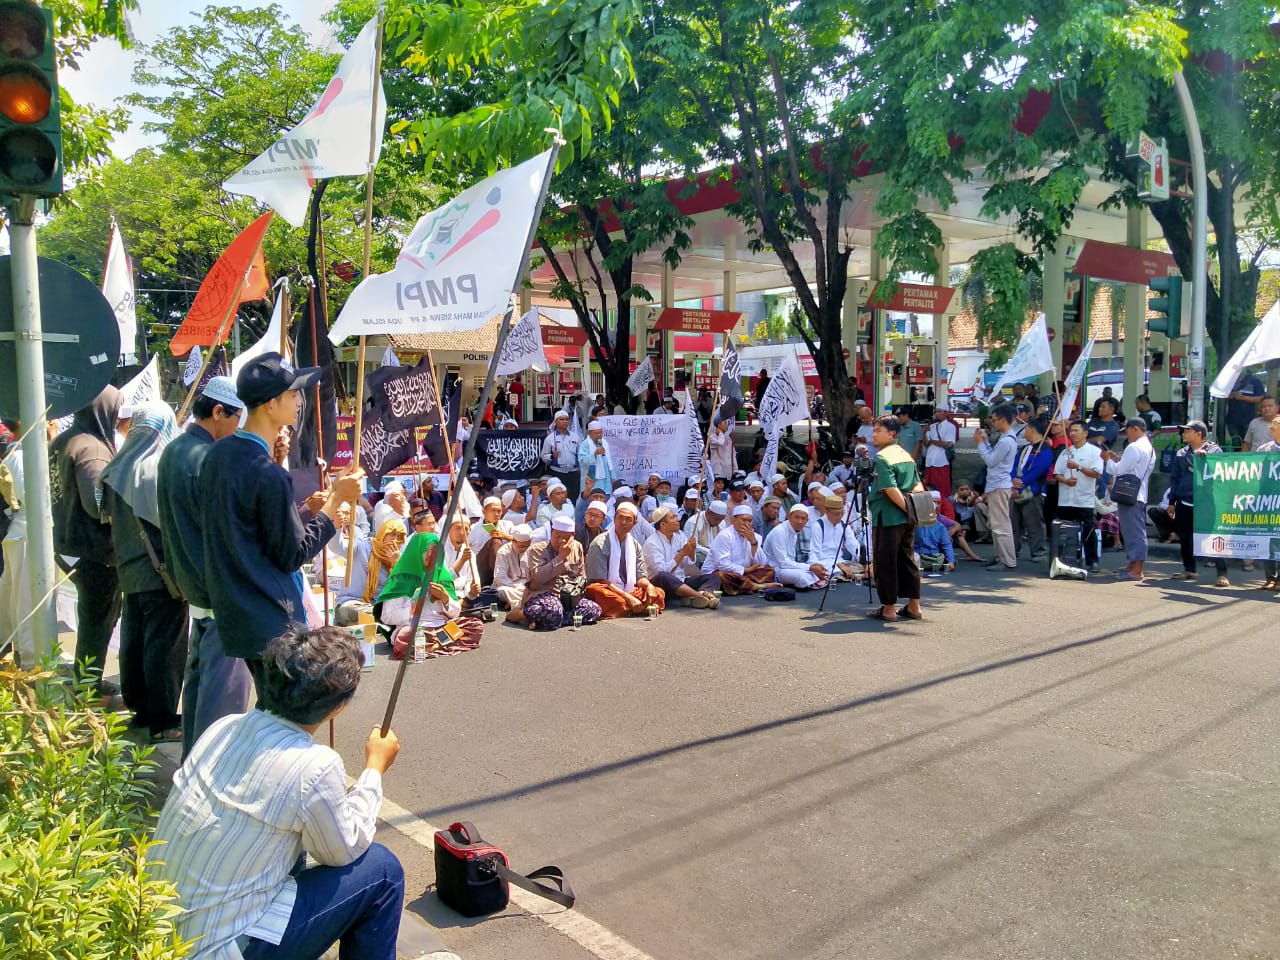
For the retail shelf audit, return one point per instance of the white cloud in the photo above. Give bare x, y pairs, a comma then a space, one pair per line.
106, 71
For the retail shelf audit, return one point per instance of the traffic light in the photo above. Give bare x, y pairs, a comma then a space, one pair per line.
1169, 305
30, 122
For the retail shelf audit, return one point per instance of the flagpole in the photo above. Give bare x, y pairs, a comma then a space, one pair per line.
469, 452
285, 318
368, 258
444, 428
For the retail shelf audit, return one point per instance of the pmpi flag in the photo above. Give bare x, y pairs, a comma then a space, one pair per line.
460, 264
331, 141
1032, 356
231, 282
117, 287
1073, 381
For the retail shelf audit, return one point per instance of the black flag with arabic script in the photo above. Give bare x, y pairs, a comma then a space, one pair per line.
730, 383
436, 445
406, 394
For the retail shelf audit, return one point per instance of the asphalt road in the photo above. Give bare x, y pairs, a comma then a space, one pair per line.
1039, 769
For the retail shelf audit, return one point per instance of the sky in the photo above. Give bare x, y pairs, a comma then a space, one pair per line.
106, 71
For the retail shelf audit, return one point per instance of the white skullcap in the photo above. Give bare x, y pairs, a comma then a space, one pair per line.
597, 507
562, 413
222, 390
812, 484
509, 497
935, 494
627, 508
556, 485
825, 491
491, 502
742, 510
523, 533
660, 514
776, 478
395, 486
717, 507
594, 425
755, 483
799, 508
694, 481
691, 492
621, 493
652, 474
838, 486
562, 524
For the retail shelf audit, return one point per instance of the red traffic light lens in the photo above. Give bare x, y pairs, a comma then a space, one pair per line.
25, 96
27, 157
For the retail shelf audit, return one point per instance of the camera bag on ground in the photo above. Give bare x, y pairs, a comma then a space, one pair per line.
472, 875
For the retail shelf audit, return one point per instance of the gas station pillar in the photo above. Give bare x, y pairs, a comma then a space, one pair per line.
1135, 316
1055, 302
942, 331
880, 389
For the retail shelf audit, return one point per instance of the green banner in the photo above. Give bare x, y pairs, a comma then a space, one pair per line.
1237, 505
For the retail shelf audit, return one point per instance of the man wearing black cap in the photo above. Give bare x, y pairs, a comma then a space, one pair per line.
255, 540
1182, 497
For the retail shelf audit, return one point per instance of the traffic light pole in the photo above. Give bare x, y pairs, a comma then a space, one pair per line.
1199, 243
37, 504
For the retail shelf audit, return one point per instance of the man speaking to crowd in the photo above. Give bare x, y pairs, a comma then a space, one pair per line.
255, 540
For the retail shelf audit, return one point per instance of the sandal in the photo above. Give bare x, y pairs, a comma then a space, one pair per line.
904, 612
1269, 585
172, 735
713, 601
878, 614
699, 602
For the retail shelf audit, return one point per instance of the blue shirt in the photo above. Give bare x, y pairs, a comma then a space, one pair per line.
1034, 462
934, 540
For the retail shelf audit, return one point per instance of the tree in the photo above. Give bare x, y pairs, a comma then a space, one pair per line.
772, 85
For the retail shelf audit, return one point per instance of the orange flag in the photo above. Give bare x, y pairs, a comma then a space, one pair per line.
238, 276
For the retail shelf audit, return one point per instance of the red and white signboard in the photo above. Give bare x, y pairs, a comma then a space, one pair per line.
915, 298
697, 321
563, 336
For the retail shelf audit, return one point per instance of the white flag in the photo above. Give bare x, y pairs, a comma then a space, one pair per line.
784, 401
458, 267
523, 347
641, 377
696, 449
331, 141
1032, 356
143, 388
389, 358
1262, 345
270, 342
769, 465
191, 369
1073, 381
117, 287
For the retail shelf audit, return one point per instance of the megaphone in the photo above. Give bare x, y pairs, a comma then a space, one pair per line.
1062, 571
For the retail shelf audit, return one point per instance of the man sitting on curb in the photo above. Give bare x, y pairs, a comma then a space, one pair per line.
255, 793
738, 557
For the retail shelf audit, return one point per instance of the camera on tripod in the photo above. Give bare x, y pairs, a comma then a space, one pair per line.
864, 465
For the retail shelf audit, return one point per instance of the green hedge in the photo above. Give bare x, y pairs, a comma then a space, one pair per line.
74, 811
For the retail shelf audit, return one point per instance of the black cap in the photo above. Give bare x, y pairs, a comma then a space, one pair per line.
1198, 425
1136, 422
266, 377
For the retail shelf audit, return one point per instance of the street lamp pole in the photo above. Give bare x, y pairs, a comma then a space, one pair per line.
1199, 245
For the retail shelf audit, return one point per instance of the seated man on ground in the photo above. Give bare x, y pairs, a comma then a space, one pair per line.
786, 549
768, 518
738, 557
933, 544
371, 564
511, 572
836, 546
618, 578
256, 792
558, 582
669, 557
419, 563
557, 504
703, 527
487, 537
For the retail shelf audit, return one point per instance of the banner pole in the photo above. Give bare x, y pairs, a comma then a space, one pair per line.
368, 257
469, 453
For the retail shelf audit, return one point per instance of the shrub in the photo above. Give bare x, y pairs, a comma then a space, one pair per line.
74, 809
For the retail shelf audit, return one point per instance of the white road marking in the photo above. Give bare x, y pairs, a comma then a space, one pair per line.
582, 930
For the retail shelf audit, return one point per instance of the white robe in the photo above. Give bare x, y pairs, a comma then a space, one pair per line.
731, 552
511, 575
780, 553
660, 555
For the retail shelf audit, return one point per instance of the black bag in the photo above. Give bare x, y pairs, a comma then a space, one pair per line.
1126, 487
473, 876
779, 594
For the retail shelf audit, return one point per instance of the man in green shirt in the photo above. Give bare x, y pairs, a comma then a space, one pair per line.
892, 532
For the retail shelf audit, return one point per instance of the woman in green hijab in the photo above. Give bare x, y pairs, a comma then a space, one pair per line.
420, 564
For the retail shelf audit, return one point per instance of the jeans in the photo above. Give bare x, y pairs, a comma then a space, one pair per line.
98, 604
216, 685
153, 650
358, 904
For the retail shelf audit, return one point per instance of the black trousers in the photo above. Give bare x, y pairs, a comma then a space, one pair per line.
1161, 520
97, 610
153, 657
1084, 517
893, 552
1184, 526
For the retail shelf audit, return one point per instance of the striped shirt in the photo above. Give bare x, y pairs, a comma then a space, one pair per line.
255, 793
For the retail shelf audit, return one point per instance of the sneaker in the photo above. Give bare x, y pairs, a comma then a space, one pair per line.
1222, 582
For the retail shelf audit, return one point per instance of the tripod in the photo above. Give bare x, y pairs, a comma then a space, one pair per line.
861, 486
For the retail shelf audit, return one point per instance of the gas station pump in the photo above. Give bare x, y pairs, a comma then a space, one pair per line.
911, 371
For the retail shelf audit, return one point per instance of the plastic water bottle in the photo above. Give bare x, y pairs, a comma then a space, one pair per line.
420, 646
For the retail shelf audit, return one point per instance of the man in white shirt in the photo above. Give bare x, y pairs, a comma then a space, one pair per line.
738, 556
519, 508
703, 527
998, 492
939, 441
511, 572
557, 504
835, 546
755, 499
255, 792
669, 556
593, 457
560, 453
1259, 431
1078, 468
1138, 459
487, 537
394, 503
786, 549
